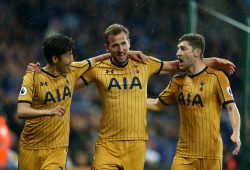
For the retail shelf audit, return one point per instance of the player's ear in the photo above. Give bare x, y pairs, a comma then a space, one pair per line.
128, 43
197, 52
55, 59
106, 47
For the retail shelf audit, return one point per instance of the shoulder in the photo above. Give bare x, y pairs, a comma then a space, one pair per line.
179, 76
30, 75
154, 59
101, 64
215, 72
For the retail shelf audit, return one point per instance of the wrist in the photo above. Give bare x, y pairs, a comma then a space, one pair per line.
43, 112
237, 133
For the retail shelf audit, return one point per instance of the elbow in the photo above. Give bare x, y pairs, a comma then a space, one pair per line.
154, 109
20, 115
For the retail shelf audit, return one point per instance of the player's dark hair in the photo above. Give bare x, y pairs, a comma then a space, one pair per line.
57, 45
115, 29
195, 40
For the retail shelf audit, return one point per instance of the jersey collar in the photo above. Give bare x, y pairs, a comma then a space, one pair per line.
119, 65
192, 76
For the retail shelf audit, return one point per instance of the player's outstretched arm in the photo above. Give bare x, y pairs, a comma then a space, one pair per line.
215, 62
170, 67
234, 117
100, 58
25, 111
154, 105
221, 64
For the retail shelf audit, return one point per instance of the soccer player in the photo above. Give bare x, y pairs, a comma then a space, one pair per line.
200, 93
122, 84
44, 101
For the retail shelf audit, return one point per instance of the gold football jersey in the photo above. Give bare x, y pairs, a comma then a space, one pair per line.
46, 91
123, 92
200, 99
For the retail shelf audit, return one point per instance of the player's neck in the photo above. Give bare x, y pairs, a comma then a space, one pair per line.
119, 64
52, 69
197, 67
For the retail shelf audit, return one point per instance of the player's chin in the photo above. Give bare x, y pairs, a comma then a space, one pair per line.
123, 59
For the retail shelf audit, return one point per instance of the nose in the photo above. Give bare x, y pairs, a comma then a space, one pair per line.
178, 53
119, 48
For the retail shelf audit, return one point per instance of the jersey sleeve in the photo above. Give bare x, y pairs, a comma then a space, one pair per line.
223, 89
167, 96
155, 65
27, 90
80, 67
89, 75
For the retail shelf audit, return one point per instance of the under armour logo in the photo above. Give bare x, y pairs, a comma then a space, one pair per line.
109, 71
43, 83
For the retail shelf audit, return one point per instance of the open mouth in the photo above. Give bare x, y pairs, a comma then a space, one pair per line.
180, 60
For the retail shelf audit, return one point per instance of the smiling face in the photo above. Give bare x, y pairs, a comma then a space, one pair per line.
118, 45
186, 55
63, 63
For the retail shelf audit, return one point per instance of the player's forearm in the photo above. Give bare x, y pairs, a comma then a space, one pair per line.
234, 117
99, 58
26, 112
170, 66
211, 62
154, 105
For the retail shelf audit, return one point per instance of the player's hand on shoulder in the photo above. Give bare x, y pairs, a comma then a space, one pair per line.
226, 65
59, 110
32, 67
138, 56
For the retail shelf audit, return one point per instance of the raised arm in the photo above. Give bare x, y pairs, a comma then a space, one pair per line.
25, 111
99, 58
170, 67
215, 62
234, 117
221, 64
154, 104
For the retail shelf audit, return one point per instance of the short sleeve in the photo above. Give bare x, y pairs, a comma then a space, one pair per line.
80, 67
89, 76
167, 96
223, 89
27, 90
155, 65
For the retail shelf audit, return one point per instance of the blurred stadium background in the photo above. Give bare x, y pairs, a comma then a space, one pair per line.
155, 26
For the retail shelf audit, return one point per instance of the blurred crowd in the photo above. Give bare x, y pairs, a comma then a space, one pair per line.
155, 26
